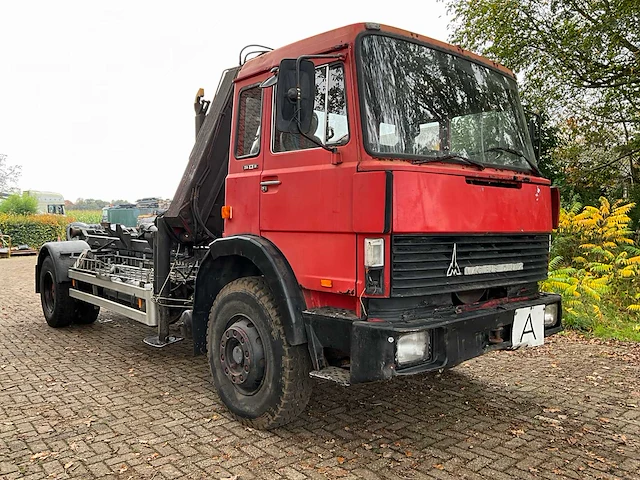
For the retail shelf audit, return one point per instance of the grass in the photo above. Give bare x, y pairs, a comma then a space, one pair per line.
625, 331
617, 325
614, 324
86, 216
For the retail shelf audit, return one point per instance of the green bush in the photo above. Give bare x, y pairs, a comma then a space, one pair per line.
33, 230
24, 204
595, 266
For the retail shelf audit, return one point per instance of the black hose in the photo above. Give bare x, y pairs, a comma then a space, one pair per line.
196, 214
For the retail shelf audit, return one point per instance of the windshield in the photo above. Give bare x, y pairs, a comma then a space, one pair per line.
421, 103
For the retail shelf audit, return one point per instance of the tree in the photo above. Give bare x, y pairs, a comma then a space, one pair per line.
24, 204
9, 175
580, 64
89, 204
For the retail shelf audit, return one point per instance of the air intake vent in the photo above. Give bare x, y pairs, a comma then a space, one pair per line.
428, 265
485, 182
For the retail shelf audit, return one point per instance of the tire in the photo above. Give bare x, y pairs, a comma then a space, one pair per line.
58, 307
85, 313
261, 379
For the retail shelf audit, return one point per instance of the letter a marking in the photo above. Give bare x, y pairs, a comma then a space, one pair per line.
529, 321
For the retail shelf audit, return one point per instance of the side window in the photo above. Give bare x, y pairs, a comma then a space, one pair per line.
329, 125
248, 128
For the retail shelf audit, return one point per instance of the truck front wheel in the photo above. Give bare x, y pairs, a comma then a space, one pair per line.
261, 379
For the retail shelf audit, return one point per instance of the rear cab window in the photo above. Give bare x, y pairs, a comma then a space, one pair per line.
248, 126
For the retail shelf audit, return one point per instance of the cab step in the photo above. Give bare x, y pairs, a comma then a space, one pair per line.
341, 376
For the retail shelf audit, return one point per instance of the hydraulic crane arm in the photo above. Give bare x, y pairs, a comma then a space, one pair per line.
195, 209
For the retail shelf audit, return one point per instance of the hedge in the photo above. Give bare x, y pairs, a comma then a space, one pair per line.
34, 230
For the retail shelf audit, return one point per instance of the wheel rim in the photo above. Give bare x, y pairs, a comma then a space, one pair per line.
242, 355
49, 292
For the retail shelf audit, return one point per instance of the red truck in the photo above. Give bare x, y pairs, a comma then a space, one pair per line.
361, 204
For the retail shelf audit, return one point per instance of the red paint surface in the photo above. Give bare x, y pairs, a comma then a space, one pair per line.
369, 191
321, 213
432, 203
316, 256
328, 41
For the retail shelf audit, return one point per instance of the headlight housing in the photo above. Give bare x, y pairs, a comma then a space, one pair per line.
413, 347
374, 252
550, 314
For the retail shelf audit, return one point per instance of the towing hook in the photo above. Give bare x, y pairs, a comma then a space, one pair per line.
496, 335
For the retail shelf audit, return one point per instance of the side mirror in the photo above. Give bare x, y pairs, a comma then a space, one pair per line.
295, 94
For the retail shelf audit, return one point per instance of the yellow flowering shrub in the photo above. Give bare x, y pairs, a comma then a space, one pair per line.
595, 263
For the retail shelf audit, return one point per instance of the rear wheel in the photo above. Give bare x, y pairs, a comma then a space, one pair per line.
58, 307
60, 310
261, 379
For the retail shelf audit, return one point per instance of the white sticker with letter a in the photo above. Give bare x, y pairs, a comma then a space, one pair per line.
528, 327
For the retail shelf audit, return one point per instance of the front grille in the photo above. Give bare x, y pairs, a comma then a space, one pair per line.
424, 265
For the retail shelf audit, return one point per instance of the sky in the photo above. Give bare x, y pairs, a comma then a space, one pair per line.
96, 98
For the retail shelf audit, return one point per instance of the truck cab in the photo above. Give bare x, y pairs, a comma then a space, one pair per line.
414, 192
358, 205
49, 202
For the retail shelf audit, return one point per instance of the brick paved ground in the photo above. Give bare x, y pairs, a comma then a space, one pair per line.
95, 402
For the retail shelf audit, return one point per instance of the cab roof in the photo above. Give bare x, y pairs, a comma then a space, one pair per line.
341, 38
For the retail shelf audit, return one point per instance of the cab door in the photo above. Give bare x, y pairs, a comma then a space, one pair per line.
246, 156
305, 200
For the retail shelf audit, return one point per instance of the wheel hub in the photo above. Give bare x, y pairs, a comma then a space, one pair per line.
242, 355
49, 292
237, 354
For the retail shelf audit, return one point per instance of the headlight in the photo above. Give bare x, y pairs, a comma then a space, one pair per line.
550, 314
374, 252
413, 347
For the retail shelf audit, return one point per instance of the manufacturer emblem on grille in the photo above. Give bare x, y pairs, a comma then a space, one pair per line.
499, 268
454, 268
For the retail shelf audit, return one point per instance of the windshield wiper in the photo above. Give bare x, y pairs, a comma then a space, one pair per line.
451, 156
533, 166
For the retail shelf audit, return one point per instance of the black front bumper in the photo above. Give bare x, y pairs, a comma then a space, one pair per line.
455, 337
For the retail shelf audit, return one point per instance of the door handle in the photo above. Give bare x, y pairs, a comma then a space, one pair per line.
264, 185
